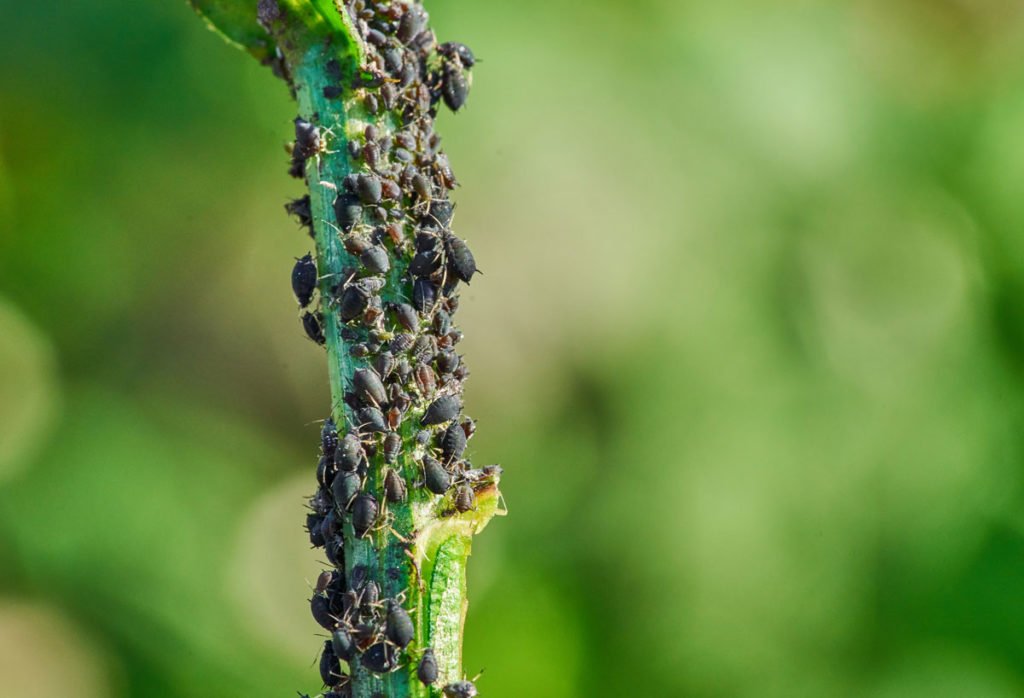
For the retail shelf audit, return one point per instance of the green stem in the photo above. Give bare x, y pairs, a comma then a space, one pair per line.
417, 554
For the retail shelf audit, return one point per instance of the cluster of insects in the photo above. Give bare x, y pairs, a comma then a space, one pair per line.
405, 435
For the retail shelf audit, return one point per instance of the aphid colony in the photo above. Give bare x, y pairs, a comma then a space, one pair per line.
406, 435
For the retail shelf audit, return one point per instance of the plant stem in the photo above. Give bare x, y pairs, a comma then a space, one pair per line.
417, 548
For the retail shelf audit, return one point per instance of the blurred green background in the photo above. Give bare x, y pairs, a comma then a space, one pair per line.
749, 343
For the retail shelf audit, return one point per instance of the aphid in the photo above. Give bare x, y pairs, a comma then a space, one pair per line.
307, 138
412, 23
301, 209
425, 349
325, 471
333, 91
389, 95
427, 669
407, 317
329, 526
376, 259
435, 477
344, 488
325, 580
349, 453
330, 669
445, 172
371, 103
368, 188
380, 658
321, 611
342, 644
370, 595
394, 487
453, 442
393, 60
364, 514
465, 499
441, 410
316, 538
400, 344
460, 689
394, 230
442, 323
454, 48
425, 263
424, 295
400, 628
352, 303
348, 210
385, 364
460, 258
426, 380
454, 86
447, 361
356, 245
370, 420
328, 436
392, 447
469, 427
304, 279
311, 324
394, 417
421, 185
369, 386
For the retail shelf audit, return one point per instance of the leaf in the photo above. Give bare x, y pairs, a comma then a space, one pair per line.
236, 21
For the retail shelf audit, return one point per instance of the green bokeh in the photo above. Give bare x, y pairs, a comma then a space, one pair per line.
749, 343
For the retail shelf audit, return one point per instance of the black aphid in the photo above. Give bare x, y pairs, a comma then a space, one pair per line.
435, 476
349, 453
447, 361
394, 487
307, 138
439, 215
454, 86
311, 324
352, 302
328, 436
330, 669
454, 48
370, 420
392, 447
453, 442
427, 669
407, 317
376, 260
460, 689
368, 188
344, 487
465, 499
321, 610
347, 210
442, 410
301, 209
364, 514
400, 628
460, 258
369, 386
424, 295
342, 644
380, 658
304, 279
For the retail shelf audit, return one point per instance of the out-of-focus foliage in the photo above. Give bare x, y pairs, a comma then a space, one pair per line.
750, 344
